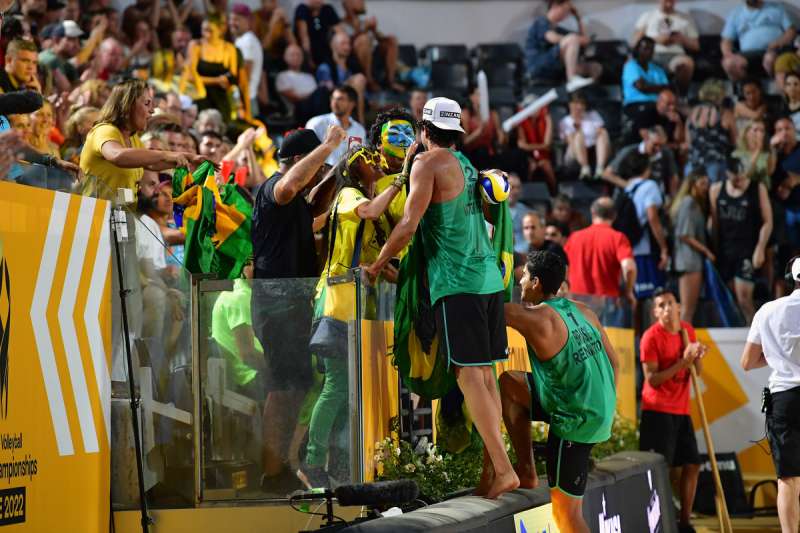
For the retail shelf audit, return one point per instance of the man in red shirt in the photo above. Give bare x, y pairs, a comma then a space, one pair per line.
666, 426
598, 254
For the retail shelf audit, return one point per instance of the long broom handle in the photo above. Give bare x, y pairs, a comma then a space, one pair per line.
722, 506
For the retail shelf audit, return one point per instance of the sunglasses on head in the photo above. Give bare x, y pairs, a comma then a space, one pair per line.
367, 155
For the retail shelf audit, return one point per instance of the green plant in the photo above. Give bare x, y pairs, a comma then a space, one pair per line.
438, 472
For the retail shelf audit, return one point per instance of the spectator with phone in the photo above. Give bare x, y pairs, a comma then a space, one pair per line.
550, 50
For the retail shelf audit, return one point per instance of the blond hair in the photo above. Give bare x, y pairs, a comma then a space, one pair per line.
742, 141
119, 106
71, 128
712, 91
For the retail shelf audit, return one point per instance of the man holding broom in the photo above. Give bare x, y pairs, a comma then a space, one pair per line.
666, 427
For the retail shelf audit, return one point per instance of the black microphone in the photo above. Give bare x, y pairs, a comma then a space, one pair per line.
377, 494
20, 102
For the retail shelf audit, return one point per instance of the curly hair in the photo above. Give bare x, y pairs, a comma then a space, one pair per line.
393, 113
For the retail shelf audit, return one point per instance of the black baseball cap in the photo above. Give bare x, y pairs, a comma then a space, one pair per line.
298, 142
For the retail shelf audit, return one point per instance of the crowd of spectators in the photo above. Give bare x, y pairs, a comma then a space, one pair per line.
710, 168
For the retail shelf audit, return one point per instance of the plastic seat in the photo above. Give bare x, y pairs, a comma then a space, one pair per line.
407, 53
447, 53
500, 74
498, 52
453, 77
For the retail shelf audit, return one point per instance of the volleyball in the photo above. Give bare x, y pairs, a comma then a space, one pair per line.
494, 186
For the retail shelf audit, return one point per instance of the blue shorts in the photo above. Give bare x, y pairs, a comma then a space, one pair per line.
545, 64
648, 276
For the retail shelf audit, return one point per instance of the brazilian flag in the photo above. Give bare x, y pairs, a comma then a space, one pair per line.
416, 344
216, 223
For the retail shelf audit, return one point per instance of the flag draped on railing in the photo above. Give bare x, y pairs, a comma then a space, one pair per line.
216, 221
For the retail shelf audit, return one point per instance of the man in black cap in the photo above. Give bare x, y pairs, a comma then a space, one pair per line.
283, 247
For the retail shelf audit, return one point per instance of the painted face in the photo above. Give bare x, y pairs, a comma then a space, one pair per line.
396, 137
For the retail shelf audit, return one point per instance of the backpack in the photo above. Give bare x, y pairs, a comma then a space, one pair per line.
627, 221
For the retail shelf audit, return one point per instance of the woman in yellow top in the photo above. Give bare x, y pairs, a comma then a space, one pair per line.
213, 69
354, 207
113, 156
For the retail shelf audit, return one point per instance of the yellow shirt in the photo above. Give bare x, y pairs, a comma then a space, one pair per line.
394, 213
339, 301
103, 178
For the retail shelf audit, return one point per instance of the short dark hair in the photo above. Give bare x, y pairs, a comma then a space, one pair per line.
644, 40
393, 113
635, 164
212, 133
351, 93
549, 268
440, 137
562, 198
662, 291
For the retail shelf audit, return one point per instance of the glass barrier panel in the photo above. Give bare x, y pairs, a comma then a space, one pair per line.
272, 406
158, 305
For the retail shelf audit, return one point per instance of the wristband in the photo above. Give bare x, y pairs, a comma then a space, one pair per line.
400, 181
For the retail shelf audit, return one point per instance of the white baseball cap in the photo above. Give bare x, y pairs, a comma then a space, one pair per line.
443, 113
796, 269
70, 28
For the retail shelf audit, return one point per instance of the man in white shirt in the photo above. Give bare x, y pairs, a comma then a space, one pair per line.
252, 52
774, 341
675, 35
343, 102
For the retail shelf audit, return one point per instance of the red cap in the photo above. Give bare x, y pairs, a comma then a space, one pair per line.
241, 10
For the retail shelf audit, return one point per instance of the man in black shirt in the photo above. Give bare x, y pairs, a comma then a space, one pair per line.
283, 247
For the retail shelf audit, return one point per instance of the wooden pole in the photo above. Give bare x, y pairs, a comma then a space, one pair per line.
722, 507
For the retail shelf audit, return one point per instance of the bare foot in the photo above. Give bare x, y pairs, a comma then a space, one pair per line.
527, 477
503, 483
487, 478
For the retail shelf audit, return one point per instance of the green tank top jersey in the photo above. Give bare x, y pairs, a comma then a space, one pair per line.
457, 249
576, 387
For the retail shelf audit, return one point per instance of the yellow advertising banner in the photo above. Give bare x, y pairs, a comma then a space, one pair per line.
55, 345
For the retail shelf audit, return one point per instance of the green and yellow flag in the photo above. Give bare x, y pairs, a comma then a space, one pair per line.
216, 223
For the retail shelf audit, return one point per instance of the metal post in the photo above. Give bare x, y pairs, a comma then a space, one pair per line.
146, 521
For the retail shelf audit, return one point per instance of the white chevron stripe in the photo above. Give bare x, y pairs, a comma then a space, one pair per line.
41, 332
92, 320
68, 334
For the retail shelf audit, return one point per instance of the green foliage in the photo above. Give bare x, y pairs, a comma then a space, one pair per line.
438, 472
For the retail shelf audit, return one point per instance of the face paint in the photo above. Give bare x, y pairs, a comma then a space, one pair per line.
396, 137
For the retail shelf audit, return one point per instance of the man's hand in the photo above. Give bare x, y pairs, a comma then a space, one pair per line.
664, 260
371, 271
410, 153
334, 136
693, 352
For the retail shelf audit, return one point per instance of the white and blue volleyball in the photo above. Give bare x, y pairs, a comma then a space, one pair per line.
494, 186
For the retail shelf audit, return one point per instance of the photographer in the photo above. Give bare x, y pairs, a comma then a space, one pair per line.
774, 341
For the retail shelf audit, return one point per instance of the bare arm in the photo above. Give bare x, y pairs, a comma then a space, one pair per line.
759, 254
784, 40
246, 347
115, 153
753, 357
298, 177
172, 235
697, 245
658, 230
373, 209
726, 45
712, 200
629, 274
419, 197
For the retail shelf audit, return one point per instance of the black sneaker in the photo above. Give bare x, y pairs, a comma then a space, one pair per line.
313, 477
685, 528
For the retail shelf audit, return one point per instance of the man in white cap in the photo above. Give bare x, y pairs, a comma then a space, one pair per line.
466, 287
66, 45
774, 341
